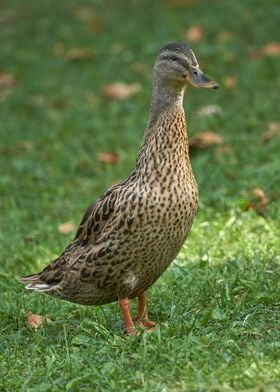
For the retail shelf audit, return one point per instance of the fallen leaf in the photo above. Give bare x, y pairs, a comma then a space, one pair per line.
59, 104
231, 175
95, 25
79, 54
24, 145
21, 146
209, 110
7, 80
108, 157
230, 82
250, 206
271, 132
259, 204
204, 140
261, 196
66, 228
195, 34
29, 238
223, 36
36, 321
271, 49
4, 149
121, 91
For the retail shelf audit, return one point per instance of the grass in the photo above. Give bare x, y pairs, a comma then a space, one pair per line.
218, 305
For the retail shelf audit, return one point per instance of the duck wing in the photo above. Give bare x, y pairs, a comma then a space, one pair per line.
97, 215
89, 243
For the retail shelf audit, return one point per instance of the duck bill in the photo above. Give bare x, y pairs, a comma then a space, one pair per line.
198, 79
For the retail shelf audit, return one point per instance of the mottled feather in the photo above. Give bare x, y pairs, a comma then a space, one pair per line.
128, 238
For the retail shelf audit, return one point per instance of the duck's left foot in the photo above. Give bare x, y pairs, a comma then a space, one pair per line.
144, 322
142, 316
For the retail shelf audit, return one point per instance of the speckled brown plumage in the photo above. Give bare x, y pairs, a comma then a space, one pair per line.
128, 238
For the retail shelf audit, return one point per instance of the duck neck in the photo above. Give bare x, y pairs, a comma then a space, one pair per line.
166, 137
165, 98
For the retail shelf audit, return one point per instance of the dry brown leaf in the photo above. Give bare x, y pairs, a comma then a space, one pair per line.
21, 146
36, 321
230, 82
223, 36
25, 145
120, 90
271, 132
4, 149
108, 157
271, 49
260, 202
79, 54
204, 140
59, 104
66, 228
231, 175
95, 25
261, 196
29, 238
7, 80
195, 34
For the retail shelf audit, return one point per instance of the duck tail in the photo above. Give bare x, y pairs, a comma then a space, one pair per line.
34, 282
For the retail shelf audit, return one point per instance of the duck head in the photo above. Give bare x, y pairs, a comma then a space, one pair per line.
176, 64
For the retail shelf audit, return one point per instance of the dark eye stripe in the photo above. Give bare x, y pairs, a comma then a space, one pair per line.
176, 59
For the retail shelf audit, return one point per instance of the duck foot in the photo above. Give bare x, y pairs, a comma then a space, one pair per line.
142, 315
144, 322
125, 308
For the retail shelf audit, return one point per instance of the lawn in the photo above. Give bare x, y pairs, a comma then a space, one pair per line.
217, 307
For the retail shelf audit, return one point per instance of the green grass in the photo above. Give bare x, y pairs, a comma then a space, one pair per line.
218, 305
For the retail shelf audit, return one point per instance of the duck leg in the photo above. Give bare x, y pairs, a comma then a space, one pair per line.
142, 315
125, 308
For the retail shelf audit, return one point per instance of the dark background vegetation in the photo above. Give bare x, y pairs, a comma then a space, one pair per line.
217, 307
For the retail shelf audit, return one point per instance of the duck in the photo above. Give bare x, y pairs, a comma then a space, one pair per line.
131, 234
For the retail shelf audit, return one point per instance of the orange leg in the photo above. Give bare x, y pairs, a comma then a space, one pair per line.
142, 315
125, 308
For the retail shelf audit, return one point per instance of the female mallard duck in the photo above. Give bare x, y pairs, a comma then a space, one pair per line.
128, 238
